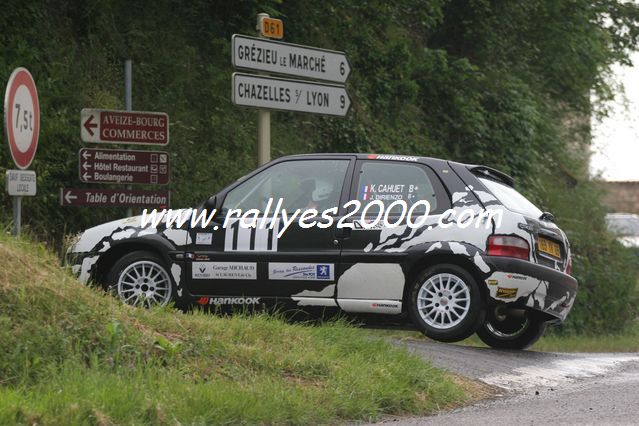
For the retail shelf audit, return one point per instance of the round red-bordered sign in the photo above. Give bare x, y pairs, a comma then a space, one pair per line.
22, 117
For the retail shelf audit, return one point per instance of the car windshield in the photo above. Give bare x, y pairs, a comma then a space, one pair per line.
624, 225
511, 199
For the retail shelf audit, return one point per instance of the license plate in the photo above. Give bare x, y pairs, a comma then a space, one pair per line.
549, 247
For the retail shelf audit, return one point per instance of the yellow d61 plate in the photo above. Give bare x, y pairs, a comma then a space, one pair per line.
549, 247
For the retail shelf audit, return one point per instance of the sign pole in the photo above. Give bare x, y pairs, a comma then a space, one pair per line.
128, 104
263, 118
17, 215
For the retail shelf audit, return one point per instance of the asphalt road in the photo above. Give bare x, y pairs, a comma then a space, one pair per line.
536, 387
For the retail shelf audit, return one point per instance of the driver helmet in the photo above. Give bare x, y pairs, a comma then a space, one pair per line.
323, 190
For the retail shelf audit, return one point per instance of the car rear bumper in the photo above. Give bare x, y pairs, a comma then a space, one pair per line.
532, 285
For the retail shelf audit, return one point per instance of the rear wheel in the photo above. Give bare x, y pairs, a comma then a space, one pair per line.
446, 304
511, 332
141, 279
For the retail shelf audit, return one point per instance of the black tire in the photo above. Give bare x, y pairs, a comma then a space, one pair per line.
465, 324
511, 332
138, 292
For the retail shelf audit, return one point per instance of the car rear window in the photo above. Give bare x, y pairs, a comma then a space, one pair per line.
511, 199
389, 182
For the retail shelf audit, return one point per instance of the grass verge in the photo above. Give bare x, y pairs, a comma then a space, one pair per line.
70, 354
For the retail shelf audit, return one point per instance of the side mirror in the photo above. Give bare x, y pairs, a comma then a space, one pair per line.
210, 203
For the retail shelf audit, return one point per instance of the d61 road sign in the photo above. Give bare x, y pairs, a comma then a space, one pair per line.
123, 166
129, 127
289, 95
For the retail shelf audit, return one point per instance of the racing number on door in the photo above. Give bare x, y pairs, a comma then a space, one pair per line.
261, 238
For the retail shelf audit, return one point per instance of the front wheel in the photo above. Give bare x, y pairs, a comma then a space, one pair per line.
509, 332
141, 279
445, 303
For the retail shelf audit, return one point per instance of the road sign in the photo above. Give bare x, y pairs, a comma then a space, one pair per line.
123, 166
289, 95
21, 117
131, 127
272, 28
21, 183
113, 197
290, 59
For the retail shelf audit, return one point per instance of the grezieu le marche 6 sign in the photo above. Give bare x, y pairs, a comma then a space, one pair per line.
290, 59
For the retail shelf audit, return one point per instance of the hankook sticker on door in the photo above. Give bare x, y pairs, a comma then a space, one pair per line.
224, 271
301, 271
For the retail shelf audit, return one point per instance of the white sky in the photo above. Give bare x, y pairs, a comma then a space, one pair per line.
616, 139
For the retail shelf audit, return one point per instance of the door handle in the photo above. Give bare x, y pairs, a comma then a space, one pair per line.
344, 232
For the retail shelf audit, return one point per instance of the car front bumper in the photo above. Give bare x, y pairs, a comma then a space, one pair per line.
532, 285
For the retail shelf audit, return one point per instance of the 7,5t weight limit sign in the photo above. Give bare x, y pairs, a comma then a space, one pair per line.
22, 117
290, 95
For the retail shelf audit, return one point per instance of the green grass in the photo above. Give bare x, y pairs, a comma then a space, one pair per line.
70, 355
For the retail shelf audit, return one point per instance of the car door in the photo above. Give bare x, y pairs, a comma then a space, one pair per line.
373, 258
279, 257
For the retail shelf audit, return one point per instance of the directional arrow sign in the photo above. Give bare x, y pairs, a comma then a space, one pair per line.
131, 127
113, 197
123, 166
289, 95
290, 59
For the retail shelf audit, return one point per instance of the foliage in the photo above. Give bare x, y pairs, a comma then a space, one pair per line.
502, 83
71, 355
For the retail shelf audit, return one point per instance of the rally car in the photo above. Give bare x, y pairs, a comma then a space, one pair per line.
503, 272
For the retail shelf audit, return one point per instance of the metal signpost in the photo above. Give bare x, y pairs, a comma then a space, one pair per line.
290, 95
22, 131
123, 166
113, 197
271, 93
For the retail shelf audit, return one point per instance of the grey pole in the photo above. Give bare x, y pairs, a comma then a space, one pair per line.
17, 215
263, 118
128, 102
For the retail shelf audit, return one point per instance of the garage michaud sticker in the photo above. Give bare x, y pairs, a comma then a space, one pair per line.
224, 271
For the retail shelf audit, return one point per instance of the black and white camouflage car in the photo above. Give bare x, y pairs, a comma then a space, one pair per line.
484, 260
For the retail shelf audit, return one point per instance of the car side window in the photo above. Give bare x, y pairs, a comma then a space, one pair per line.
302, 184
392, 181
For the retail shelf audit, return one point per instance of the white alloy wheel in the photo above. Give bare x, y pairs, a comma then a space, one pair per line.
144, 283
443, 301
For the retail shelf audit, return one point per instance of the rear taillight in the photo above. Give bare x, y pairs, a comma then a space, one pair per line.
569, 266
508, 246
